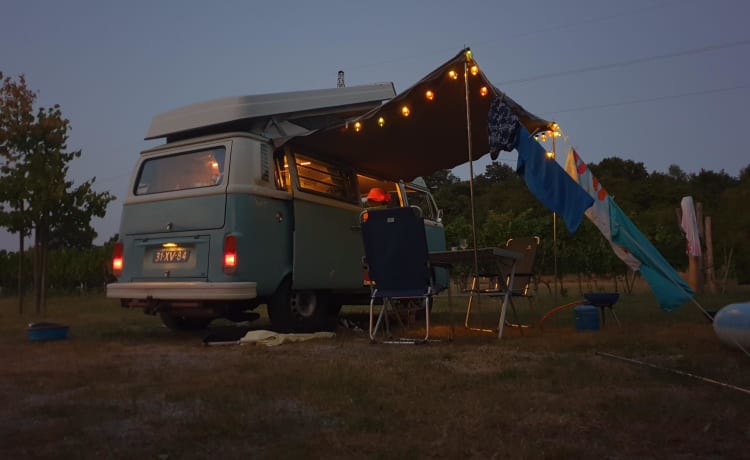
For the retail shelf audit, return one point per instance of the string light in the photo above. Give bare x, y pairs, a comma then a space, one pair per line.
550, 133
430, 95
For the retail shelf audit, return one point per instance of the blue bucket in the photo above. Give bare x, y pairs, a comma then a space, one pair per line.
46, 331
587, 318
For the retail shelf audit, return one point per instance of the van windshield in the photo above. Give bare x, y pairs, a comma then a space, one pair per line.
203, 168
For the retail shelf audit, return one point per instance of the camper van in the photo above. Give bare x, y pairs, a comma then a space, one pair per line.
225, 216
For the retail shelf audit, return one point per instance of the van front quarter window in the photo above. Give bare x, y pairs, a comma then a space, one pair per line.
281, 172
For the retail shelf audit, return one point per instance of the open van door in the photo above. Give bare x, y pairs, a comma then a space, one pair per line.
327, 237
327, 243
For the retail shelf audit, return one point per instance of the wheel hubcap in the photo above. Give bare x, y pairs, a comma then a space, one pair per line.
303, 304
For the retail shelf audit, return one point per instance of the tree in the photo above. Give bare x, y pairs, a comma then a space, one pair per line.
498, 172
441, 178
16, 120
36, 194
675, 172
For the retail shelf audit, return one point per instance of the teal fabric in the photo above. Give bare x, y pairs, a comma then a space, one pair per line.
670, 289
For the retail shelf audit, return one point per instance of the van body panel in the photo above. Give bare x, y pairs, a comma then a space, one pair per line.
178, 214
435, 233
327, 245
263, 228
417, 194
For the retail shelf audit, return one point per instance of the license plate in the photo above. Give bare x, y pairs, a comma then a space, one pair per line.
171, 255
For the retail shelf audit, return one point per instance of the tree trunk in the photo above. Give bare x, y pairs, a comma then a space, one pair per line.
43, 283
710, 272
20, 273
700, 262
37, 273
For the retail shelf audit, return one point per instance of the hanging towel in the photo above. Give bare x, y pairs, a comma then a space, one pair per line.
502, 127
689, 226
598, 214
549, 182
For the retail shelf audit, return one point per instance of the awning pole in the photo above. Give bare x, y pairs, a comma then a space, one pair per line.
471, 163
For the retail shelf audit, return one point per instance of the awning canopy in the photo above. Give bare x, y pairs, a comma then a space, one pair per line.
421, 130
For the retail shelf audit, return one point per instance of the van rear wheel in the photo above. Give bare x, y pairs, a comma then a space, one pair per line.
297, 311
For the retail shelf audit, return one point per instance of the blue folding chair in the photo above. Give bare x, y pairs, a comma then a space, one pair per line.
397, 260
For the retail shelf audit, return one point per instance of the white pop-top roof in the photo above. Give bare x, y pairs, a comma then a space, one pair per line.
254, 111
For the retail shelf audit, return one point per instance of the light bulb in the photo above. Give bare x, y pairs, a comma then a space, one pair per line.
429, 95
357, 126
381, 121
474, 69
405, 111
483, 91
453, 74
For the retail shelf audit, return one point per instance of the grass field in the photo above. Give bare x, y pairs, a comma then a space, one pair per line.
123, 386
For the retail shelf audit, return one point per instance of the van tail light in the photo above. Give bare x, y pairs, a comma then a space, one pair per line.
117, 260
230, 254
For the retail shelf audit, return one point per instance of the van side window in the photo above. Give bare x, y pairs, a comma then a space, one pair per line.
325, 179
202, 168
281, 172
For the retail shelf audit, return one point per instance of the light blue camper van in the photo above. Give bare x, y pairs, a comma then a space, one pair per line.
225, 217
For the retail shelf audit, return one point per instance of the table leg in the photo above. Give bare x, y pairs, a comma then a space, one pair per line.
506, 300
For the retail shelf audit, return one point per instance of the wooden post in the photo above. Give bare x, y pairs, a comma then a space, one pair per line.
699, 259
710, 273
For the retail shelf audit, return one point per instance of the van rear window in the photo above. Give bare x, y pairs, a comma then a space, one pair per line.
203, 168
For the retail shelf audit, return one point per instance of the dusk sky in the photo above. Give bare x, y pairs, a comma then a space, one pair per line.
656, 82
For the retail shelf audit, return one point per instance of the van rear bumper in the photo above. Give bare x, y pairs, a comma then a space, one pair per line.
188, 290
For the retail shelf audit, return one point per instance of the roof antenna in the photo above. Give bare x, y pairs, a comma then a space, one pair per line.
340, 82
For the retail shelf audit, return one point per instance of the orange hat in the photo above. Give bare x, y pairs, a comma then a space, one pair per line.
377, 194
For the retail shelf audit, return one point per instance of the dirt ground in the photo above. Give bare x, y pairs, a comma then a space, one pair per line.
121, 386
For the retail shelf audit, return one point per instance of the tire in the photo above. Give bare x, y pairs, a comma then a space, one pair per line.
181, 323
297, 311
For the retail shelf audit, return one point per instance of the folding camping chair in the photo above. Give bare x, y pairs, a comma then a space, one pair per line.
525, 267
397, 260
523, 277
